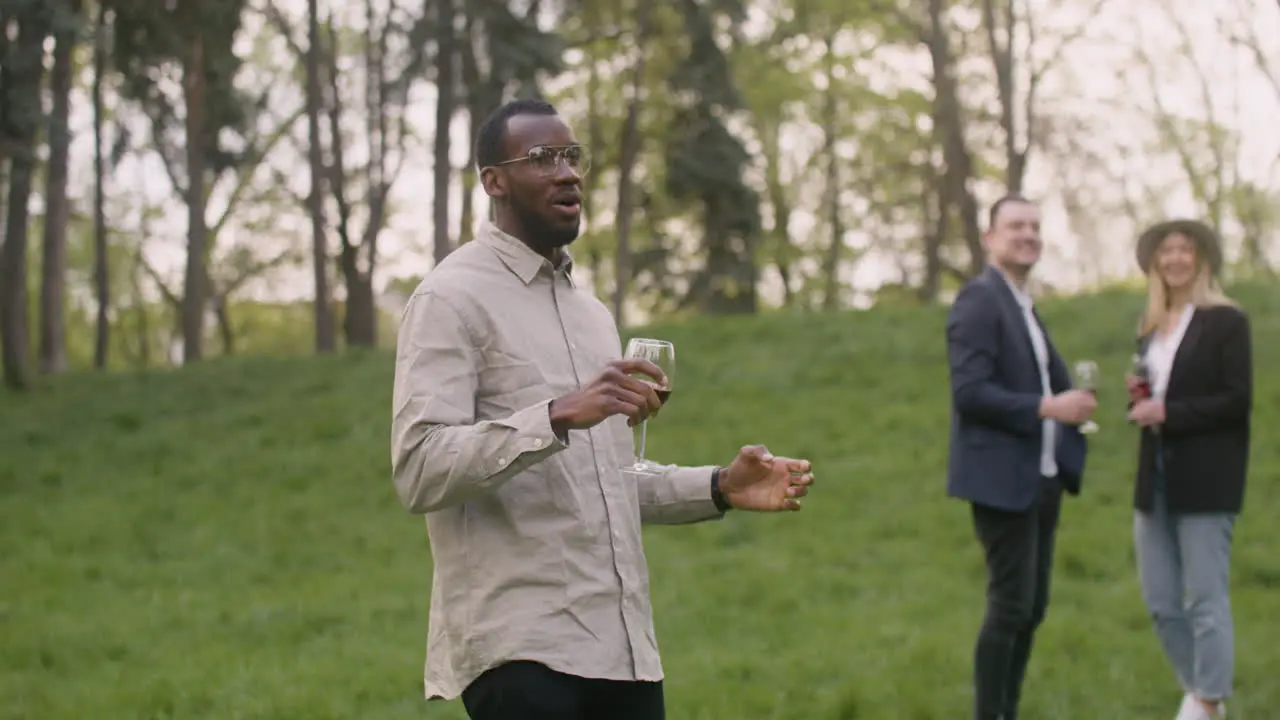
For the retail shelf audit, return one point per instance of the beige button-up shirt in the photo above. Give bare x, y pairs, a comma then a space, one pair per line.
536, 542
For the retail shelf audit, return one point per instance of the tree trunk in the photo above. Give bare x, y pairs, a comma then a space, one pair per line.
770, 140
195, 293
53, 342
1003, 64
324, 325
141, 312
445, 102
360, 323
959, 161
595, 149
470, 76
225, 332
23, 107
628, 153
832, 286
101, 273
935, 215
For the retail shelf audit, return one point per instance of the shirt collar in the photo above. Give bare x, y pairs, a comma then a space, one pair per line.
519, 258
1020, 294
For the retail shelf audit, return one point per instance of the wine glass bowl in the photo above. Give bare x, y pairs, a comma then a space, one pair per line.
1086, 376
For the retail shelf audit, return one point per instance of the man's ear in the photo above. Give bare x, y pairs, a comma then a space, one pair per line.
494, 183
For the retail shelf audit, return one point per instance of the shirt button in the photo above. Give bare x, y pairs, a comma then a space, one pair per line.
537, 443
502, 462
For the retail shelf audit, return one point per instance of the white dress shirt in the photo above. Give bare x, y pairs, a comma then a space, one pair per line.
1048, 451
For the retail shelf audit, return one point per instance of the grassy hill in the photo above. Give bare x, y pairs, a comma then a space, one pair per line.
224, 541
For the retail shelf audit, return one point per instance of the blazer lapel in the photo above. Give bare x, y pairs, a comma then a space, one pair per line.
1013, 312
1057, 363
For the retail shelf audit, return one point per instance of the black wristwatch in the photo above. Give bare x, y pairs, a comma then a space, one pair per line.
716, 496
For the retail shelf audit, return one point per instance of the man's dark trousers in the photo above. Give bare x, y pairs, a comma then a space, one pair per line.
525, 690
1019, 555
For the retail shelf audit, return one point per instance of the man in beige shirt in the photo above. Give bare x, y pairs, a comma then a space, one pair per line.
510, 429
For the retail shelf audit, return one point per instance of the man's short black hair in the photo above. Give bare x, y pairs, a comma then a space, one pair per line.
994, 212
493, 132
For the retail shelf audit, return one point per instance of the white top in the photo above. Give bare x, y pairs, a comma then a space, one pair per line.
1161, 350
1048, 454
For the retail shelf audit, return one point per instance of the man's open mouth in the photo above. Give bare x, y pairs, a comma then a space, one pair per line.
567, 204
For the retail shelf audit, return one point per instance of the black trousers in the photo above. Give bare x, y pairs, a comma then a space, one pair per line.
1019, 554
525, 690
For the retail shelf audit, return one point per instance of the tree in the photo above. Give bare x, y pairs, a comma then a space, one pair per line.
384, 86
323, 311
101, 267
195, 37
706, 163
53, 290
446, 84
21, 114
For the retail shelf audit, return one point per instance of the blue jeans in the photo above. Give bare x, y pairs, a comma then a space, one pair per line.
1184, 567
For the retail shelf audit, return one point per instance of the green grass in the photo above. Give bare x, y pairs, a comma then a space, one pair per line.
224, 541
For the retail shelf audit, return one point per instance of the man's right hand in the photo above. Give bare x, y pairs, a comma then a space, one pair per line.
1072, 407
614, 392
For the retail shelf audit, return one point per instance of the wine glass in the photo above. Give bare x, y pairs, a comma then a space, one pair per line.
662, 354
1141, 370
1087, 380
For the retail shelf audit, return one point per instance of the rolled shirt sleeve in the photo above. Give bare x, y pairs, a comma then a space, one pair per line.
678, 496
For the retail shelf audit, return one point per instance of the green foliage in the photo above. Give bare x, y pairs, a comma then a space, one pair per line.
25, 24
224, 541
153, 37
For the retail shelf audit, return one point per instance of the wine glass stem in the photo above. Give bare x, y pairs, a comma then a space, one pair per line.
644, 433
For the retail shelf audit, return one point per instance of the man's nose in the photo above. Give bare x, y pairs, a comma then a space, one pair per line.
564, 173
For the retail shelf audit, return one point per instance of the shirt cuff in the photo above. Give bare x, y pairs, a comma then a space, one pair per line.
533, 428
681, 495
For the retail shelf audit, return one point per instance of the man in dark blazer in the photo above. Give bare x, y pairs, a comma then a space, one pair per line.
1015, 447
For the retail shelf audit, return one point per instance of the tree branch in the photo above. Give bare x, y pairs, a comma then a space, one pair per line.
157, 136
277, 19
257, 269
170, 296
1066, 41
249, 168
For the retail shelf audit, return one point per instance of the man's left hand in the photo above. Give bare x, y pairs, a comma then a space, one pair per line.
758, 480
1147, 412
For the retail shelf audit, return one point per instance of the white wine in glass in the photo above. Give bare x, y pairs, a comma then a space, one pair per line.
662, 354
1087, 380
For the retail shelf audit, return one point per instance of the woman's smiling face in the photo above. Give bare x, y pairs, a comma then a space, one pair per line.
1177, 261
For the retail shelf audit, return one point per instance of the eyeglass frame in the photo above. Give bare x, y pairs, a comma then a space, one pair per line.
561, 156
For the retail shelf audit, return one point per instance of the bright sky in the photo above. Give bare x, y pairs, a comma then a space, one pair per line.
1096, 81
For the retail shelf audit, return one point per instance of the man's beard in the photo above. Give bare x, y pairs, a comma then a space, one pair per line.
543, 236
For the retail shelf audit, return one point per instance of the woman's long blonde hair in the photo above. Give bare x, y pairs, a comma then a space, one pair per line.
1205, 292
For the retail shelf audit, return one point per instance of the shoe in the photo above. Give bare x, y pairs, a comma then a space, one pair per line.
1189, 709
1193, 709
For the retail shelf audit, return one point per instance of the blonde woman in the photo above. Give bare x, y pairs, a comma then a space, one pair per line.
1192, 456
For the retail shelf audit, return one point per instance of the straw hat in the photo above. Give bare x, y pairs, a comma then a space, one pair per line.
1208, 246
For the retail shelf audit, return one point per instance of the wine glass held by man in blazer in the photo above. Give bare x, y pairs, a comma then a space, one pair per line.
1193, 453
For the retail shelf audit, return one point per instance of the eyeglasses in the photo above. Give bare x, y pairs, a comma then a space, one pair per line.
546, 159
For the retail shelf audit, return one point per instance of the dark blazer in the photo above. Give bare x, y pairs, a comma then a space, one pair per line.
1207, 404
996, 429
